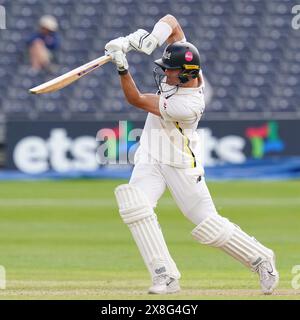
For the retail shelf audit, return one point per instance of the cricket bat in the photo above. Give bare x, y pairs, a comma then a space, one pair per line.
69, 77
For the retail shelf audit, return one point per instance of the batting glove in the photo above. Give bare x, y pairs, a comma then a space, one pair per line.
118, 44
119, 59
143, 41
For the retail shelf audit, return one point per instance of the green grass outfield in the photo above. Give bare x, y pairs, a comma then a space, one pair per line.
66, 240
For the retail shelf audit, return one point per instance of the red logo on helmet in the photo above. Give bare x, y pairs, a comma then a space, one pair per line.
188, 56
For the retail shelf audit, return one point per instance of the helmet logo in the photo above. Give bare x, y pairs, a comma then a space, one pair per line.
167, 55
188, 56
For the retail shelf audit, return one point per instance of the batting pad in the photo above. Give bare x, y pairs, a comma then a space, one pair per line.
136, 212
219, 232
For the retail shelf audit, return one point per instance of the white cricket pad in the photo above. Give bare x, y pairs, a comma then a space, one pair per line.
137, 213
217, 231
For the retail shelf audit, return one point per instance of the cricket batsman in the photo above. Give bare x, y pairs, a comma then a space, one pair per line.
168, 156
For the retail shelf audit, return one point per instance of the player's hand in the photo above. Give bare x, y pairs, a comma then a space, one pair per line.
119, 59
118, 44
143, 41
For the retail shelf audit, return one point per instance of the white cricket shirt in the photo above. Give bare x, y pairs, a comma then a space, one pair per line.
172, 138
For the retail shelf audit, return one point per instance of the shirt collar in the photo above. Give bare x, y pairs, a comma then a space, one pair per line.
182, 90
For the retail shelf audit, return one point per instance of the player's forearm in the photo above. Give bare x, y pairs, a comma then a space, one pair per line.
130, 90
147, 102
175, 33
167, 29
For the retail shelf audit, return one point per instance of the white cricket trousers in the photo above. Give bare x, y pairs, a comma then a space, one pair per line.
194, 200
190, 194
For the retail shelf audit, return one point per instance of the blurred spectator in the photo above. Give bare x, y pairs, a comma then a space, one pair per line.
43, 44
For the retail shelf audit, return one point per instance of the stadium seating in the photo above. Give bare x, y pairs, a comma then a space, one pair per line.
250, 54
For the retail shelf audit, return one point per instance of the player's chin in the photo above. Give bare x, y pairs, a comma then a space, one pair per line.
172, 82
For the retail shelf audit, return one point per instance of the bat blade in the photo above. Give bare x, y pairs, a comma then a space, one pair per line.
69, 77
